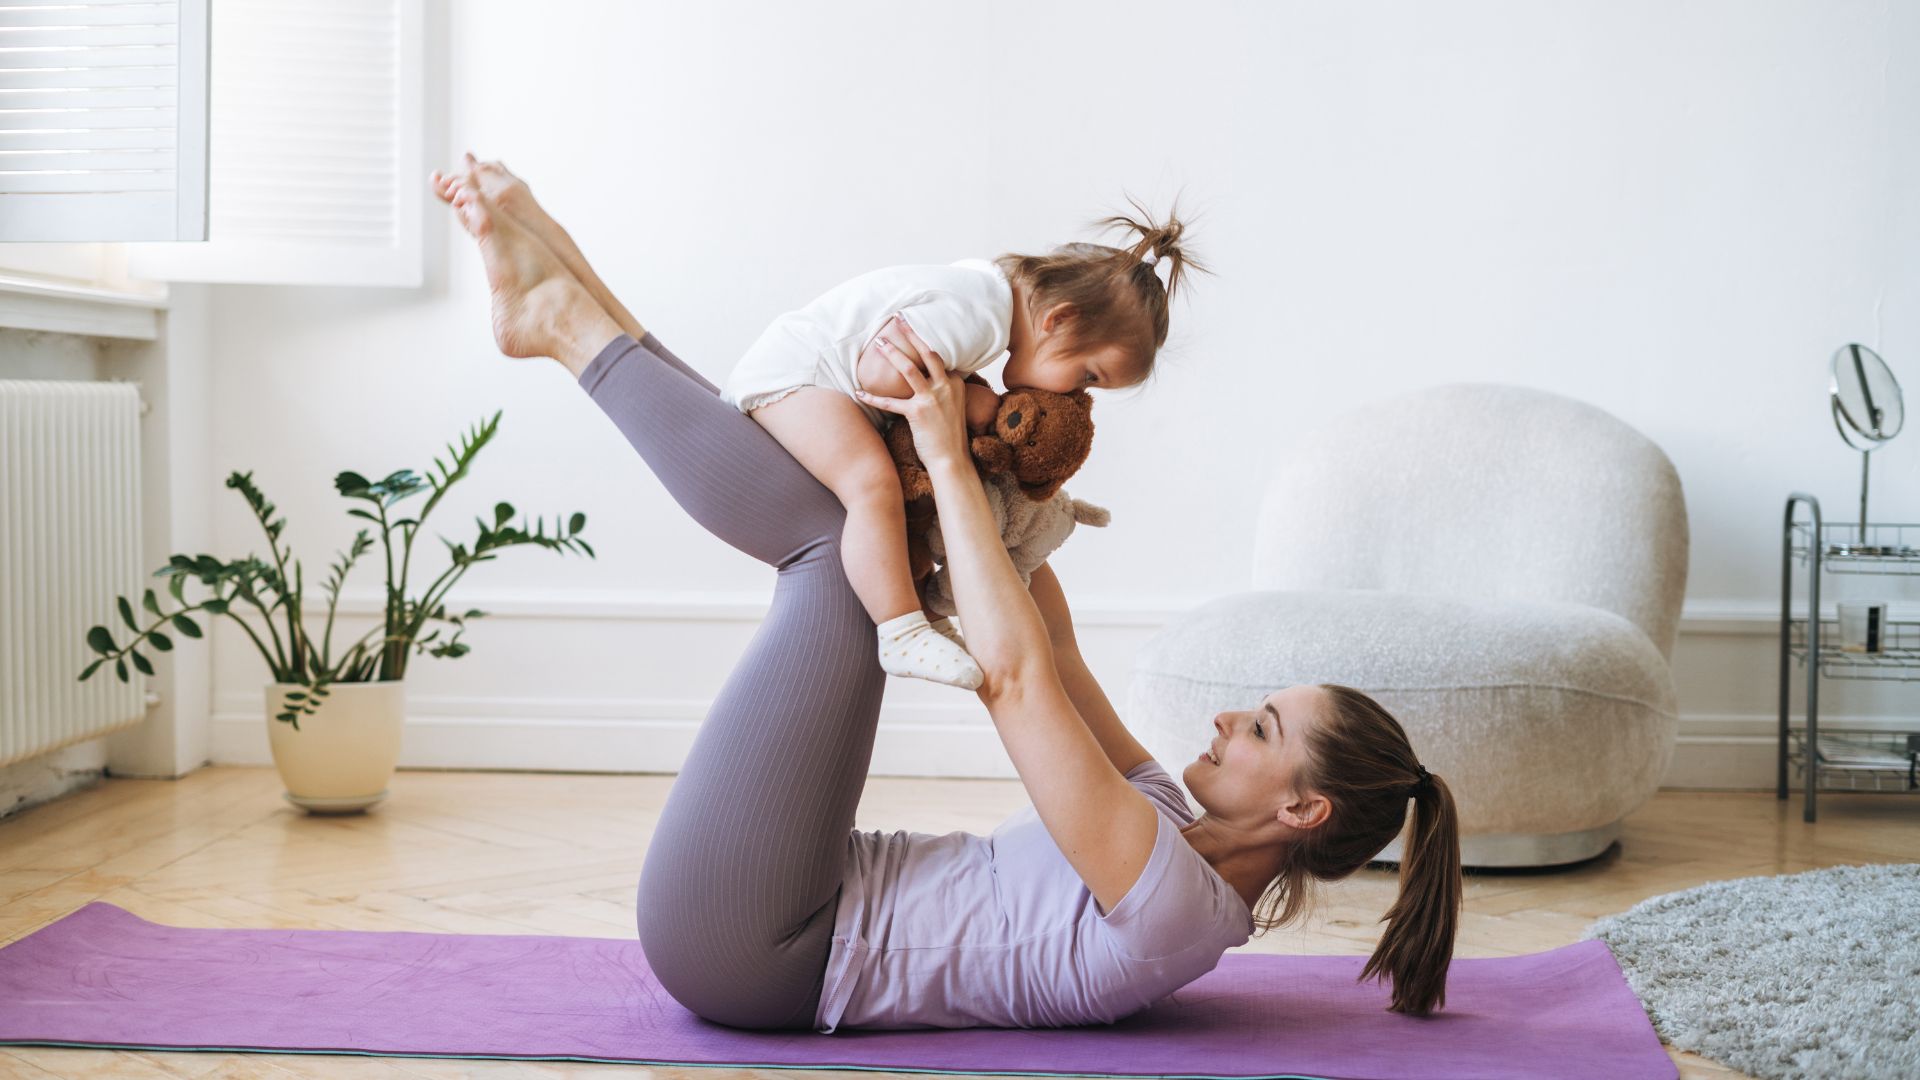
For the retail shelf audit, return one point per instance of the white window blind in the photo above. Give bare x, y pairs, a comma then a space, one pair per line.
103, 112
315, 165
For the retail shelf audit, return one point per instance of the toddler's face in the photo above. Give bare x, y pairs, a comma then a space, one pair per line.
1046, 366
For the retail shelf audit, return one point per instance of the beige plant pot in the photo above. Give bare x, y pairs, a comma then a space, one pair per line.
340, 759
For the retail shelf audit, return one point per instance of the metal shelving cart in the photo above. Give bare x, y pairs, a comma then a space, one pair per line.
1839, 759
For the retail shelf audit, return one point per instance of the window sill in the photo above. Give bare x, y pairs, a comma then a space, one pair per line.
32, 303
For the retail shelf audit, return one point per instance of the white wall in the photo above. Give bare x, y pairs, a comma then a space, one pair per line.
1676, 212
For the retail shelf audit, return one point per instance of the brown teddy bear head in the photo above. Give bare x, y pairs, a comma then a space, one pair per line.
1039, 437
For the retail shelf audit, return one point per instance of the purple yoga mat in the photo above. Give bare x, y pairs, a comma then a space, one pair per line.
103, 976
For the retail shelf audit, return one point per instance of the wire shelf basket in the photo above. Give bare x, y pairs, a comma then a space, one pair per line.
1842, 759
1897, 661
1854, 759
1886, 547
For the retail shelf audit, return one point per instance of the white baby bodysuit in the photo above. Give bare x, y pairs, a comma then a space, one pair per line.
963, 311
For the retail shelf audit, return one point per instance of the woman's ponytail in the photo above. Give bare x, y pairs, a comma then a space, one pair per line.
1417, 947
1358, 757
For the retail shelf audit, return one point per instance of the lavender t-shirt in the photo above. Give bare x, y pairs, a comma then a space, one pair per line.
964, 930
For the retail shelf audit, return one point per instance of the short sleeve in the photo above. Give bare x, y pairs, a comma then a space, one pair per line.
963, 332
1150, 778
1179, 903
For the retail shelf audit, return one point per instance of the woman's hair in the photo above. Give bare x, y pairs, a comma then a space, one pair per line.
1359, 758
1116, 299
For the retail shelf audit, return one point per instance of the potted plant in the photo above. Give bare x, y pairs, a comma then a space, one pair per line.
354, 699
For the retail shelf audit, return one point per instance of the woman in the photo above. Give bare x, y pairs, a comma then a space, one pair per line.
758, 905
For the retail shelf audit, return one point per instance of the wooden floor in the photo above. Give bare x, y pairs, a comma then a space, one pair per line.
514, 853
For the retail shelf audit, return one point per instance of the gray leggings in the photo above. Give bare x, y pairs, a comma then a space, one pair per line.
738, 891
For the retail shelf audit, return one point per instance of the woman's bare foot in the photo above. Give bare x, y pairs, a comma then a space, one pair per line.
539, 309
511, 196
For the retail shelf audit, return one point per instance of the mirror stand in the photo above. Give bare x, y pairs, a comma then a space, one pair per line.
1866, 456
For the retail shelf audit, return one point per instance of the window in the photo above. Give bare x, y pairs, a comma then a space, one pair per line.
310, 139
103, 110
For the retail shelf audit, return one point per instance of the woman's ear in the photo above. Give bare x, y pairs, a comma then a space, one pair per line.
1304, 812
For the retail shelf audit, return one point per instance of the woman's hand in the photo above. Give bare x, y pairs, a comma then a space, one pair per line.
937, 410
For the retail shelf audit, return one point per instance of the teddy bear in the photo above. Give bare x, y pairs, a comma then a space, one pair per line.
1037, 439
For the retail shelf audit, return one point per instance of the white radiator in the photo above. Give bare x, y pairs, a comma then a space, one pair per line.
69, 544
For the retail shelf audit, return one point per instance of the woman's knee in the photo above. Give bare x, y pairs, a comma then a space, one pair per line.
731, 975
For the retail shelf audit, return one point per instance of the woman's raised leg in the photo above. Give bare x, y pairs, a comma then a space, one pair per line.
737, 893
737, 896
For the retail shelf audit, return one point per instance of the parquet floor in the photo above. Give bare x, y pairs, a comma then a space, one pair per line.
518, 853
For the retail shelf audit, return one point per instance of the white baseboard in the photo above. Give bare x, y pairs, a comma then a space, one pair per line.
634, 736
496, 719
639, 735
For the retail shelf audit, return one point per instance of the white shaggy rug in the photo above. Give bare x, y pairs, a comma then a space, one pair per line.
1807, 975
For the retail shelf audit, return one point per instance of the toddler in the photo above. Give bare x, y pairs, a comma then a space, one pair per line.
1082, 316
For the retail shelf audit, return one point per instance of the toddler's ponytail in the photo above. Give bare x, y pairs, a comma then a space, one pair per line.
1162, 241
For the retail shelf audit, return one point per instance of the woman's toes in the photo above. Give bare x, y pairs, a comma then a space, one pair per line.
508, 192
474, 213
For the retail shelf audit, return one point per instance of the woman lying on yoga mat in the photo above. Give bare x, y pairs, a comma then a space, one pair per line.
760, 907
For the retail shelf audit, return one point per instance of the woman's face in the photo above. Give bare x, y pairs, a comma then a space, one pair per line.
1248, 773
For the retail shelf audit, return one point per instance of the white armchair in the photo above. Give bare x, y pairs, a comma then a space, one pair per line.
1502, 568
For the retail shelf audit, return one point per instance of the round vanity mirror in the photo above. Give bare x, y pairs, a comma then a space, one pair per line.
1866, 398
1867, 410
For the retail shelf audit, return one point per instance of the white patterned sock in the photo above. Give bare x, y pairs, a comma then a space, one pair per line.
912, 648
944, 624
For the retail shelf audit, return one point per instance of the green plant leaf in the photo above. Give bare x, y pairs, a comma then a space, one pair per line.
186, 626
160, 641
151, 602
120, 669
100, 639
178, 587
126, 613
87, 673
215, 607
141, 662
576, 523
502, 513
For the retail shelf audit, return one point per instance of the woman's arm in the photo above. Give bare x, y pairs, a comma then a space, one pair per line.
1004, 631
1122, 749
1104, 827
